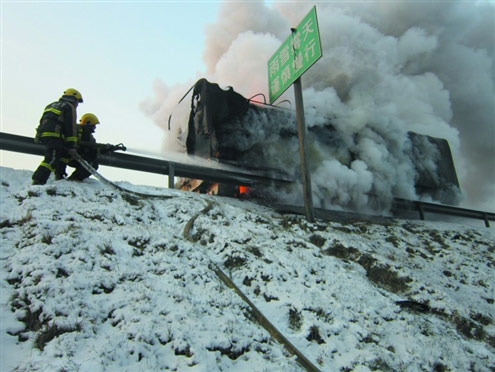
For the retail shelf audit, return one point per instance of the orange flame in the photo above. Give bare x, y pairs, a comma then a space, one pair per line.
244, 190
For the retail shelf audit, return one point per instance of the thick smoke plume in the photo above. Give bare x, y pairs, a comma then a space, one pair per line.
387, 68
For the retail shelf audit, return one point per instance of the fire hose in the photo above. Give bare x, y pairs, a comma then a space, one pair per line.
109, 183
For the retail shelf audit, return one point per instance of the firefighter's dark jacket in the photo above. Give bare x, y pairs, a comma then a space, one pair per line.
86, 142
59, 121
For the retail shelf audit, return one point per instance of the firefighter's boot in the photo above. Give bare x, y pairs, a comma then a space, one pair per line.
41, 174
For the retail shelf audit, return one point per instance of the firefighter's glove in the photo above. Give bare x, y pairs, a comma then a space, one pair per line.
73, 153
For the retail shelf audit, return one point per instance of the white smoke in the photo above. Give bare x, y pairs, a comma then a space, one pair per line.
387, 68
162, 106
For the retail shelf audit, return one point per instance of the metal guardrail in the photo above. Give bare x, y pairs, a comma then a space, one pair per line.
399, 207
16, 143
423, 207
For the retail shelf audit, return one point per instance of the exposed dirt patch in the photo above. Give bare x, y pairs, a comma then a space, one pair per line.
381, 274
49, 333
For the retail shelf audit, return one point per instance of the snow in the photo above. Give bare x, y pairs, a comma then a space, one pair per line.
97, 280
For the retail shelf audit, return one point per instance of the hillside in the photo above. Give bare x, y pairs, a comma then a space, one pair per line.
96, 280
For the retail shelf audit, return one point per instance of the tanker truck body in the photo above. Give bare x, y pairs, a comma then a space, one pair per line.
225, 126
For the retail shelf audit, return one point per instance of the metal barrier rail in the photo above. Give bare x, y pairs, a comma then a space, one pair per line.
423, 207
16, 143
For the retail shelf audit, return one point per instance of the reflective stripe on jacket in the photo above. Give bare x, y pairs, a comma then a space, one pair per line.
59, 121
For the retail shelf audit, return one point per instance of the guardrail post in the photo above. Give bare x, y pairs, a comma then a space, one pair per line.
485, 217
171, 175
421, 211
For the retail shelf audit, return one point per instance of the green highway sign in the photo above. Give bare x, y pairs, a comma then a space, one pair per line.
296, 54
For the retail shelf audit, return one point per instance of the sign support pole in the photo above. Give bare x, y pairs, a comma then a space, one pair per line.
297, 54
301, 129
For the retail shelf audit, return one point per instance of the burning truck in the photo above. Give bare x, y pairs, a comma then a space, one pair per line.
224, 126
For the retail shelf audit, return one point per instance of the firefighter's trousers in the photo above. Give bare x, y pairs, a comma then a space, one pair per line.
55, 151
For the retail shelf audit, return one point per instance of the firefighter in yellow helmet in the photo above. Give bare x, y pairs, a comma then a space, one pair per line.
58, 132
86, 147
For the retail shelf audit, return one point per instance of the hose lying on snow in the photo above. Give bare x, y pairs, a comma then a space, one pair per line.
93, 171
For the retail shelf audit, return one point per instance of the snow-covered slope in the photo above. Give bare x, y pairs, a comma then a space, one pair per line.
95, 280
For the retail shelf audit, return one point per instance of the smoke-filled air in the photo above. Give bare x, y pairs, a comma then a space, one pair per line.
388, 69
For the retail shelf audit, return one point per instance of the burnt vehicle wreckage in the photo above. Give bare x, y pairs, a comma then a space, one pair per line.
257, 158
231, 129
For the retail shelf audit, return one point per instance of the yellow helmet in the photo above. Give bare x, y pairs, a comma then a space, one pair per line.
89, 119
74, 93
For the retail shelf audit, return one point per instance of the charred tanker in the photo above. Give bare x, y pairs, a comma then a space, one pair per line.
225, 126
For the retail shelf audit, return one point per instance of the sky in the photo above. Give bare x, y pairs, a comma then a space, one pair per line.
93, 279
111, 51
387, 68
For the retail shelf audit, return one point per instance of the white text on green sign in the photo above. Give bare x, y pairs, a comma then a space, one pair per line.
296, 54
